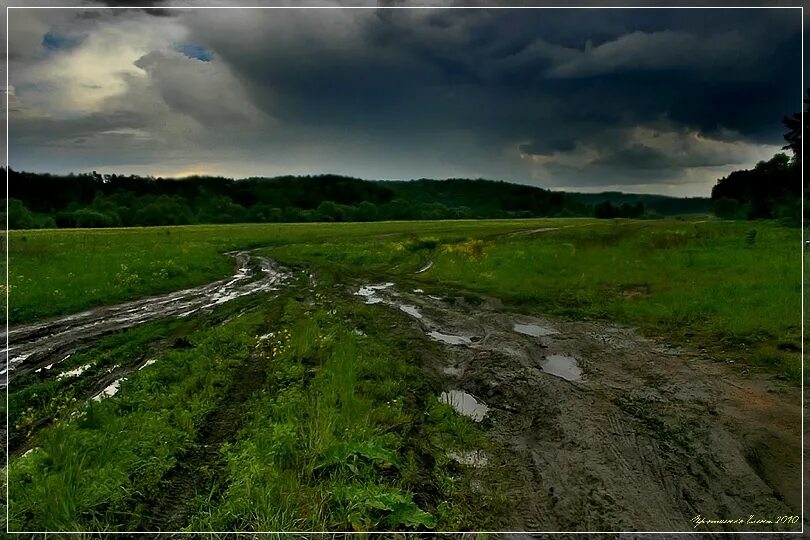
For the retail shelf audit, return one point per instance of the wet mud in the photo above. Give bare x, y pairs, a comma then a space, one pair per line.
44, 344
601, 429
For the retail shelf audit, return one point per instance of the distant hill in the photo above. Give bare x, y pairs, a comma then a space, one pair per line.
96, 200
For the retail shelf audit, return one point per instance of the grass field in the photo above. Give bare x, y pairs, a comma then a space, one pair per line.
310, 410
733, 286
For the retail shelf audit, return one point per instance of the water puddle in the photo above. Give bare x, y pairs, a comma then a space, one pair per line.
534, 330
36, 343
418, 291
562, 366
450, 339
471, 458
370, 291
425, 268
465, 404
74, 372
413, 311
148, 363
109, 391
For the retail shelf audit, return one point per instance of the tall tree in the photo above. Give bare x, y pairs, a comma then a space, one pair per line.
794, 134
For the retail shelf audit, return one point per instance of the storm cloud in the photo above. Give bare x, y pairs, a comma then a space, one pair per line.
641, 100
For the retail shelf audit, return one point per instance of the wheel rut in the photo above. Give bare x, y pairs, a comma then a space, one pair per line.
169, 510
599, 428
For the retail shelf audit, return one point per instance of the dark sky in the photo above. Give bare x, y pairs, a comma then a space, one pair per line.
657, 101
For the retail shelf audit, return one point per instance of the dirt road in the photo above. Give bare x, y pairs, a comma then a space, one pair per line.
593, 427
47, 343
601, 429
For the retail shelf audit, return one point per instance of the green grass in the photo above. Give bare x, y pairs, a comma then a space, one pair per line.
334, 439
344, 431
713, 284
98, 457
59, 271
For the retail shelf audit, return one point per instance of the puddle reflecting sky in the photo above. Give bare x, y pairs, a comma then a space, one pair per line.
533, 330
465, 404
562, 366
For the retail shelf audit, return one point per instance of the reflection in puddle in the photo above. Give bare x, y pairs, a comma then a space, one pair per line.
368, 291
465, 404
148, 363
533, 330
449, 338
411, 310
109, 391
74, 372
562, 366
472, 458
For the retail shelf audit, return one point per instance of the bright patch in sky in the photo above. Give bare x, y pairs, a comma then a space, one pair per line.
634, 100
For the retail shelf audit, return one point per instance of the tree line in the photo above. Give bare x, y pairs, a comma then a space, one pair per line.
773, 188
110, 200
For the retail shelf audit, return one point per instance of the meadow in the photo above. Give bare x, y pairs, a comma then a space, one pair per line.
732, 286
307, 409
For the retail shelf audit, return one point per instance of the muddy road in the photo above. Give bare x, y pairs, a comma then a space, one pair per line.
43, 345
601, 429
593, 427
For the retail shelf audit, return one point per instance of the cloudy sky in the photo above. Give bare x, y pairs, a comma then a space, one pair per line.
656, 101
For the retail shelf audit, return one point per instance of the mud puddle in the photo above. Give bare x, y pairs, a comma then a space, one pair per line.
645, 438
413, 311
563, 366
449, 339
533, 330
46, 343
465, 404
110, 390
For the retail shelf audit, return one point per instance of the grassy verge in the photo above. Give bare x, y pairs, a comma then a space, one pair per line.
342, 432
733, 288
87, 467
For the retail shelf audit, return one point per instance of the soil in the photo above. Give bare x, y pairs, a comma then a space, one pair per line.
639, 437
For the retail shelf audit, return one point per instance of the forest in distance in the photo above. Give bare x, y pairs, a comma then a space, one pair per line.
771, 190
110, 200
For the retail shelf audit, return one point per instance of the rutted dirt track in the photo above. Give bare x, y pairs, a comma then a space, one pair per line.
42, 346
47, 343
605, 430
595, 427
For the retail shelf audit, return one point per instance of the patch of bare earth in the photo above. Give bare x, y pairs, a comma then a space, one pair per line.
601, 429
